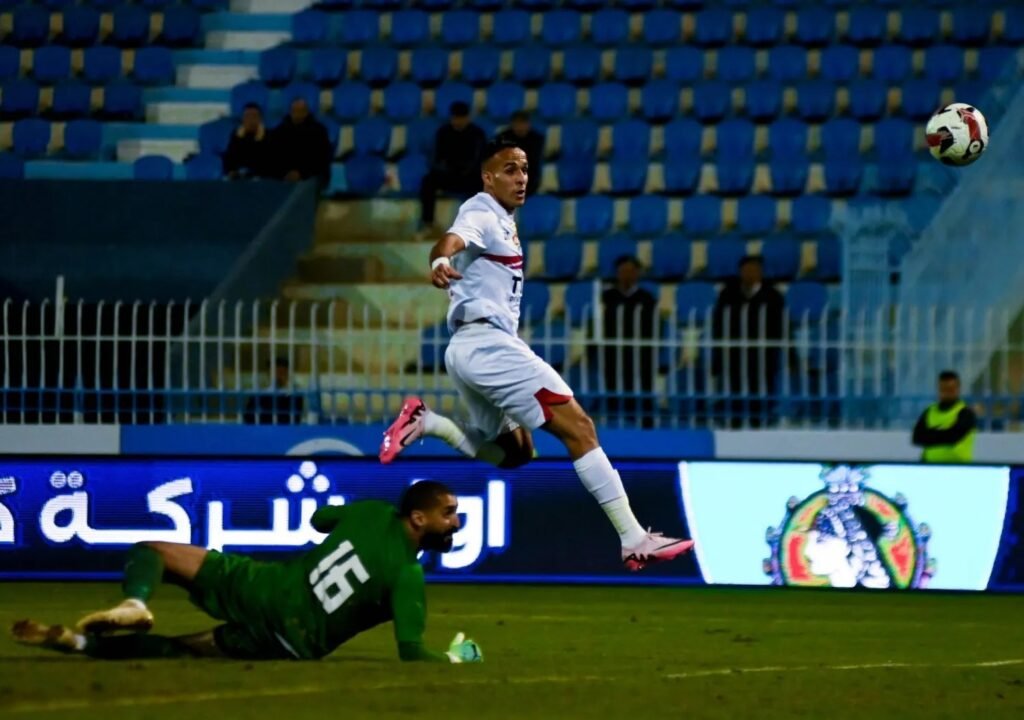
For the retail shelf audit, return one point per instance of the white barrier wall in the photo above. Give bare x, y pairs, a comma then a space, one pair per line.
60, 439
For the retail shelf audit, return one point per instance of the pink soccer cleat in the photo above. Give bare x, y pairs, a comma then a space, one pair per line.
404, 431
652, 549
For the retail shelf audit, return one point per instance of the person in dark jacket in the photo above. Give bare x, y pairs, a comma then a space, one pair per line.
748, 319
629, 315
456, 165
302, 146
249, 152
531, 142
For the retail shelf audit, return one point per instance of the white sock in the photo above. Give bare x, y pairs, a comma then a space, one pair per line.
134, 602
603, 482
79, 642
468, 441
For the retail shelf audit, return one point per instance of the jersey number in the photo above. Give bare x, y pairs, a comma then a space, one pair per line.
330, 580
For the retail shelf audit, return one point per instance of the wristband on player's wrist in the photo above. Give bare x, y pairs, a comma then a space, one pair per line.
440, 261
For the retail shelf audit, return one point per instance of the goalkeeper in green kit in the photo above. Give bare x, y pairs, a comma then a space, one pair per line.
363, 574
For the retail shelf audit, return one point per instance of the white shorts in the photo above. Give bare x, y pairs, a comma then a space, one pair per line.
503, 382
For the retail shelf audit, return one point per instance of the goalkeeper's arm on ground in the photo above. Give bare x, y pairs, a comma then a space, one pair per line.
409, 609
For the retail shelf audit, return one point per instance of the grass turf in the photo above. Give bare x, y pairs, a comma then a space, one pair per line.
565, 652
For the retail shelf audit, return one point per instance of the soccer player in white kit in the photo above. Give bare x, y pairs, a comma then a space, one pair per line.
508, 389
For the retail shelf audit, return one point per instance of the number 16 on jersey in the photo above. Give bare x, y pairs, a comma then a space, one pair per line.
330, 578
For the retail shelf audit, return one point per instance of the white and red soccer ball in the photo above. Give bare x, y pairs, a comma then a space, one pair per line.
957, 134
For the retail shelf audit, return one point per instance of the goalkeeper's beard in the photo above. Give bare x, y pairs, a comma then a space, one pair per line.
438, 542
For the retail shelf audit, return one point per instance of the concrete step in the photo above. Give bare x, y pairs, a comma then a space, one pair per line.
253, 7
246, 40
176, 150
341, 221
215, 76
186, 113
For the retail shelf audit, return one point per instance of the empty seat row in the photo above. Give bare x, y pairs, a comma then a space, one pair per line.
80, 143
116, 101
98, 65
34, 138
592, 5
81, 26
59, 5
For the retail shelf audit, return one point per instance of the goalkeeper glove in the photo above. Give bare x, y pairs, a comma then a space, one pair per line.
464, 651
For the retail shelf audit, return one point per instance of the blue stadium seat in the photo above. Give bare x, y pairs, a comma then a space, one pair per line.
203, 167
582, 65
736, 64
81, 26
503, 99
563, 257
359, 27
511, 27
670, 258
531, 64
30, 26
681, 178
535, 302
31, 137
101, 64
410, 28
378, 66
894, 139
71, 100
351, 101
734, 140
918, 26
561, 27
735, 176
540, 217
944, 63
215, 135
763, 100
756, 215
829, 265
609, 27
327, 66
920, 98
643, 5
713, 27
992, 61
12, 167
892, 63
694, 300
584, 5
310, 28
429, 66
460, 28
971, 25
579, 301
628, 175
594, 215
789, 175
648, 216
781, 257
631, 139
815, 26
684, 64
659, 101
277, 66
633, 64
556, 102
702, 216
153, 167
246, 93
122, 101
131, 26
154, 66
433, 343
579, 139
181, 27
787, 138
724, 255
711, 101
810, 215
867, 25
868, 99
480, 65
10, 62
764, 26
402, 101
420, 135
895, 176
575, 175
611, 249
806, 301
683, 139
840, 63
787, 63
843, 176
608, 102
412, 168
372, 136
19, 98
1013, 26
840, 139
662, 28
51, 64
364, 174
815, 100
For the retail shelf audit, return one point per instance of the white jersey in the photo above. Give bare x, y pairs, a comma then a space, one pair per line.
491, 266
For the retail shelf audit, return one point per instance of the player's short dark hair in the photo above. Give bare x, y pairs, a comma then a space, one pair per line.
520, 116
252, 106
458, 109
752, 260
949, 375
623, 259
424, 495
495, 146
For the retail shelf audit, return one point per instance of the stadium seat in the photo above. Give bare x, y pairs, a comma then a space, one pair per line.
584, 5
684, 64
756, 215
611, 249
648, 216
810, 215
351, 102
724, 255
561, 27
378, 66
310, 28
895, 176
1013, 26
736, 64
429, 66
153, 66
327, 66
153, 167
992, 61
815, 100
840, 139
659, 101
12, 167
30, 26
867, 99
662, 28
781, 257
628, 175
702, 216
892, 63
511, 27
101, 64
579, 139
867, 25
735, 176
410, 28
10, 63
594, 215
539, 218
694, 301
971, 25
412, 168
787, 138
631, 139
51, 64
683, 139
215, 135
372, 136
580, 301
787, 64
608, 102
763, 100
18, 98
420, 135
633, 64
71, 100
503, 99
480, 65
644, 5
203, 167
711, 101
359, 27
535, 301
894, 139
181, 27
609, 27
944, 63
789, 175
734, 140
815, 26
681, 178
713, 27
764, 26
452, 92
829, 265
364, 174
277, 66
433, 343
563, 257
402, 101
918, 26
670, 258
582, 65
920, 98
333, 133
81, 26
806, 301
531, 64
840, 63
575, 175
121, 101
131, 26
460, 28
843, 175
31, 137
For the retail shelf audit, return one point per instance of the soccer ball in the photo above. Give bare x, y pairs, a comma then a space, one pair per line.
957, 134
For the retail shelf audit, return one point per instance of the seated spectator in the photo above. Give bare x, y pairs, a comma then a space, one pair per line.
522, 135
249, 153
280, 404
456, 165
301, 146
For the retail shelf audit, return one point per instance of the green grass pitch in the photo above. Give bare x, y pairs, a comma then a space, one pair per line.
565, 652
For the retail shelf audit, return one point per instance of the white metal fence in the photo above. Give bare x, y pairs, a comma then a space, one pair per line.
215, 362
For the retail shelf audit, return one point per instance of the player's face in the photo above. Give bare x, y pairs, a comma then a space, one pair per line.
505, 177
949, 391
440, 524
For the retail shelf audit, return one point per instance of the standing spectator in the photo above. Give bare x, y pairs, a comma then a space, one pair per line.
748, 317
456, 166
301, 146
629, 313
530, 141
249, 153
277, 405
946, 429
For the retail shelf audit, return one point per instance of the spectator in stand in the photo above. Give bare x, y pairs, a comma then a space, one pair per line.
279, 404
301, 146
946, 429
522, 135
249, 153
456, 164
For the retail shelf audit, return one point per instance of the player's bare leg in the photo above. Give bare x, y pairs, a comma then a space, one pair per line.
571, 424
148, 564
123, 647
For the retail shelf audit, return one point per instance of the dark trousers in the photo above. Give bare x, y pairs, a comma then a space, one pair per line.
446, 181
